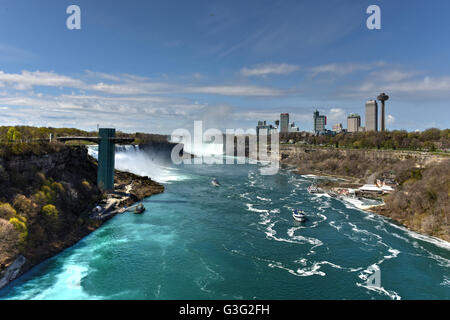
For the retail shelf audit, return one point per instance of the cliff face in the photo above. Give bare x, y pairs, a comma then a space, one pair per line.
44, 205
359, 164
46, 202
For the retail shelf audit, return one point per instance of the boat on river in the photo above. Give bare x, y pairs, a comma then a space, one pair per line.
299, 216
313, 189
139, 209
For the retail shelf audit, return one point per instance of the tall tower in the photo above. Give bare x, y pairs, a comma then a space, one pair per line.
106, 154
383, 98
371, 115
284, 123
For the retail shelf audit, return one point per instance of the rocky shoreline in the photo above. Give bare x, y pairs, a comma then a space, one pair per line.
330, 187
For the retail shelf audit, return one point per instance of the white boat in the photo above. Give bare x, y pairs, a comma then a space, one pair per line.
215, 183
139, 209
313, 189
299, 216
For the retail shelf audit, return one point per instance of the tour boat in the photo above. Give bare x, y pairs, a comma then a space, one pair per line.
313, 189
139, 209
215, 183
299, 216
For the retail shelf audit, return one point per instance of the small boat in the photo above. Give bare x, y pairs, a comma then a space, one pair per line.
139, 209
299, 216
215, 182
313, 189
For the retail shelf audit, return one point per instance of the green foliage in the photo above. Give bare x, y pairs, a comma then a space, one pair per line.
50, 211
49, 191
13, 134
20, 224
429, 140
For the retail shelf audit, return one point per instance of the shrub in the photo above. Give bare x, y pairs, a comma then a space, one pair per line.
6, 211
20, 224
50, 211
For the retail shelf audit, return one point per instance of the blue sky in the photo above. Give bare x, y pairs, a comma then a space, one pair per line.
156, 66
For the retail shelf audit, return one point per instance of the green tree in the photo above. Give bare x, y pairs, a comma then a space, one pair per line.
50, 211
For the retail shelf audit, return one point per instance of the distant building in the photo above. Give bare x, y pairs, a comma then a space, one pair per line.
320, 121
284, 123
338, 128
264, 127
293, 128
353, 123
371, 115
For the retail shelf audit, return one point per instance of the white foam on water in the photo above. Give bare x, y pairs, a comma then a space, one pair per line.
245, 196
301, 239
446, 281
313, 269
433, 240
250, 208
364, 275
358, 204
305, 272
333, 224
309, 176
363, 231
394, 253
390, 293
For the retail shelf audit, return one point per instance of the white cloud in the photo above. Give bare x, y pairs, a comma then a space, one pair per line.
392, 75
343, 69
127, 84
266, 69
27, 80
336, 115
244, 90
417, 86
390, 119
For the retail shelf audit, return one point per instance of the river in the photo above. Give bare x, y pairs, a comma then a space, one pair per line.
239, 241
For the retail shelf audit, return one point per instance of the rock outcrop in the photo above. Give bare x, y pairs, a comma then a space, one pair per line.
46, 202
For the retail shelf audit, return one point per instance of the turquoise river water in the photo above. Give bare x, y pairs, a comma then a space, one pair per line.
239, 241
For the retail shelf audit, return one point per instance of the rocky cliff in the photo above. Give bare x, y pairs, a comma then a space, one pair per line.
45, 205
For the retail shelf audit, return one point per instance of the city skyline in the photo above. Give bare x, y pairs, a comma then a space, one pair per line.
155, 67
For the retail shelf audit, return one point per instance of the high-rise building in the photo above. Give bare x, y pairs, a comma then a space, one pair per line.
353, 123
371, 115
284, 123
320, 121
